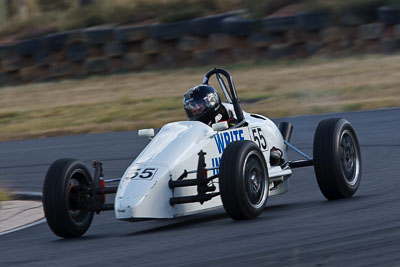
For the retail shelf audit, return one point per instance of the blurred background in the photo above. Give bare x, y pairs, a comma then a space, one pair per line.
84, 66
20, 16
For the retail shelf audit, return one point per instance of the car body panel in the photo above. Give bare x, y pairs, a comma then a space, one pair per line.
144, 193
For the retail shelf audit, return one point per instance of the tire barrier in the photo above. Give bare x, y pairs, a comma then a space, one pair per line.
131, 33
312, 21
29, 47
238, 26
208, 25
114, 49
77, 52
98, 35
389, 15
216, 39
57, 41
280, 24
169, 31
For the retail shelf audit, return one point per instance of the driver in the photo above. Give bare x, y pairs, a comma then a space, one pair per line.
202, 103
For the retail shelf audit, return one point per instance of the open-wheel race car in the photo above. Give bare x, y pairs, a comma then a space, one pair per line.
191, 166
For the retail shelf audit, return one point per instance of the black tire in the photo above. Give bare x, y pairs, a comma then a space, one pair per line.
77, 52
238, 26
169, 31
56, 41
208, 25
312, 21
63, 215
337, 158
29, 47
98, 36
389, 16
240, 162
278, 24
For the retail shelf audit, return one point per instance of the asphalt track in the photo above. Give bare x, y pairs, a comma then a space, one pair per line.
298, 228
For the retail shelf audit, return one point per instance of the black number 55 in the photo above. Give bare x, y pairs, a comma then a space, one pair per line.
147, 173
258, 136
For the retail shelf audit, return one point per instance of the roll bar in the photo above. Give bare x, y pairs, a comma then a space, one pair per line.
232, 97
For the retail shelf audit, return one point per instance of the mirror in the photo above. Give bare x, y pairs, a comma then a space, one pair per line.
146, 132
220, 126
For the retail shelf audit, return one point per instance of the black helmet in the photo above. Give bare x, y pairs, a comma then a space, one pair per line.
202, 103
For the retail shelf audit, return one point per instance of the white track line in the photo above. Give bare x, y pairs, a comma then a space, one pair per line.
23, 227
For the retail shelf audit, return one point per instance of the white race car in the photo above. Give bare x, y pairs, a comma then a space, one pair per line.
191, 167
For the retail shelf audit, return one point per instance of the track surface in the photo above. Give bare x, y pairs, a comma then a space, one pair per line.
299, 228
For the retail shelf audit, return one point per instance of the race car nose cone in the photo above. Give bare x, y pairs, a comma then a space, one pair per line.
140, 191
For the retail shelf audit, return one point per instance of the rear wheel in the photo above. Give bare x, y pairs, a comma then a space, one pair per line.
337, 158
243, 180
65, 196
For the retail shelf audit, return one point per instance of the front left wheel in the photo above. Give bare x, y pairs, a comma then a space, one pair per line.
65, 194
243, 180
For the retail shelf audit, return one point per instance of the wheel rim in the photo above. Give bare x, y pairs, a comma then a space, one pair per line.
254, 177
76, 214
349, 157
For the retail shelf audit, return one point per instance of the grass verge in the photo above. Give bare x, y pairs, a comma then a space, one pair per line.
153, 98
3, 195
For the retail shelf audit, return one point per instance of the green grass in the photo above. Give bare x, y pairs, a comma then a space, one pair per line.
3, 195
153, 98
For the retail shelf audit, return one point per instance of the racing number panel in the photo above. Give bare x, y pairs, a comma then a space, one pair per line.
257, 135
142, 173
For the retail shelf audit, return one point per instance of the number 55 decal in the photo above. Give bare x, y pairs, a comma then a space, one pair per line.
147, 173
258, 137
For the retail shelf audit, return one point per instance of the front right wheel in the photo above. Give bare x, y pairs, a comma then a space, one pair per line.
243, 180
337, 158
65, 192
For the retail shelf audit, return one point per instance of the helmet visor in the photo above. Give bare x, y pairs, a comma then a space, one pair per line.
195, 108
